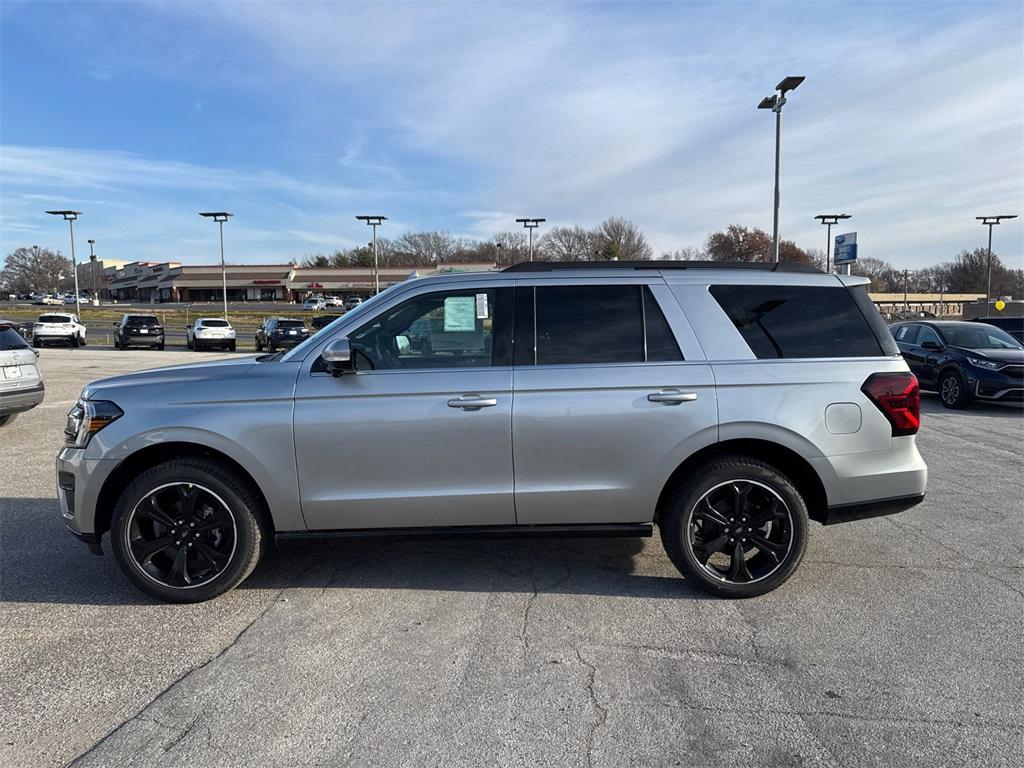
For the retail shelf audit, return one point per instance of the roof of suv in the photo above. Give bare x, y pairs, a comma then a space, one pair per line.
552, 266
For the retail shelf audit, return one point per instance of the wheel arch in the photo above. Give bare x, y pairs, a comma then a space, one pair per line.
132, 465
786, 460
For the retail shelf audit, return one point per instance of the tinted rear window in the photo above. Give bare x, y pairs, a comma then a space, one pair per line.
214, 323
779, 321
143, 320
11, 339
54, 319
289, 324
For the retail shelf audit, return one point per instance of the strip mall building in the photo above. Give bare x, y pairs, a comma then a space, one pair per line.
157, 282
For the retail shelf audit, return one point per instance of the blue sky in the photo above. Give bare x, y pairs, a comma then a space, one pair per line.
463, 116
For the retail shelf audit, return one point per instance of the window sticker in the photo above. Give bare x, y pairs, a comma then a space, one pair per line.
459, 314
481, 306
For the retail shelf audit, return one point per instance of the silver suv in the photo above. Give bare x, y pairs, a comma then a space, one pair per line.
727, 405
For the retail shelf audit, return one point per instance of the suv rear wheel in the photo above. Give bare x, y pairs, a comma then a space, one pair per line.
187, 530
736, 528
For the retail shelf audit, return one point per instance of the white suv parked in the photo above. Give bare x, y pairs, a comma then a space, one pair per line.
21, 386
210, 332
58, 326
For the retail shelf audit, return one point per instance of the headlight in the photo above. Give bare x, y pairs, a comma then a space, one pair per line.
979, 362
87, 418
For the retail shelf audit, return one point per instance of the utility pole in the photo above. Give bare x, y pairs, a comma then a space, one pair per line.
374, 221
991, 221
775, 103
829, 219
530, 225
220, 217
70, 217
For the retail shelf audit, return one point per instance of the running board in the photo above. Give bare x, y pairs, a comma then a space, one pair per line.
482, 532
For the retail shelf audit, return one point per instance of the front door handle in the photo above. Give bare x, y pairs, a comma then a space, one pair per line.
672, 397
472, 402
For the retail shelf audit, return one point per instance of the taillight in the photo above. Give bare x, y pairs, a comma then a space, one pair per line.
898, 397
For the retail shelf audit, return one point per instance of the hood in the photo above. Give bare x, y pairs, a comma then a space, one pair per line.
176, 375
1012, 356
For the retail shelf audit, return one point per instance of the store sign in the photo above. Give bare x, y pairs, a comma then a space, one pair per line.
314, 285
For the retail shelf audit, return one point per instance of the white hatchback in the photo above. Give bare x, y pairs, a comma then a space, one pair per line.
21, 386
58, 326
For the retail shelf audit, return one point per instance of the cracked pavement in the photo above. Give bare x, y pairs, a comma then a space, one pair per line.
896, 642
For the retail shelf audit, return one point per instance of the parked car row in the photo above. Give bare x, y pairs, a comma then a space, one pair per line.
319, 303
964, 361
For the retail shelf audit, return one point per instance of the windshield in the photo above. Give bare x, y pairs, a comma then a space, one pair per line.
10, 339
979, 337
143, 320
54, 319
367, 306
214, 323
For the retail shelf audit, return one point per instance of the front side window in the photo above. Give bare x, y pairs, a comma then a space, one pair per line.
927, 334
466, 328
791, 321
591, 324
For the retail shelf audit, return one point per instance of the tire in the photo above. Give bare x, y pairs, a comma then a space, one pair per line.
5, 420
259, 347
953, 391
81, 341
271, 347
222, 556
735, 486
37, 343
189, 344
159, 346
231, 347
73, 340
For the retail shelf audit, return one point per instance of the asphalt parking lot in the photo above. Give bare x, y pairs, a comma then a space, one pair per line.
896, 643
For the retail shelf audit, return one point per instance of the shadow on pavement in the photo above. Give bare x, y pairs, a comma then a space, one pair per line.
42, 563
930, 403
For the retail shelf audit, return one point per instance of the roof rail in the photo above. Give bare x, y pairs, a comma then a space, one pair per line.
555, 266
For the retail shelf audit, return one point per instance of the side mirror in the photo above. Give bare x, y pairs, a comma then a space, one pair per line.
116, 323
338, 357
931, 345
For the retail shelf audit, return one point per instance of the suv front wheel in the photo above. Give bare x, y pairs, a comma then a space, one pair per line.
187, 530
737, 527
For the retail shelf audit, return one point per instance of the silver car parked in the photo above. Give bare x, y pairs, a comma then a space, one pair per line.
724, 405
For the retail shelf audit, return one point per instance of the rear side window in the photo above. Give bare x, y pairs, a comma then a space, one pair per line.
906, 334
591, 324
780, 321
11, 339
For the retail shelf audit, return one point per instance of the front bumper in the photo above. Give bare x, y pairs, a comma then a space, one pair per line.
79, 481
19, 400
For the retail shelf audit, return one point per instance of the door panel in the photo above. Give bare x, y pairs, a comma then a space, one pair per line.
591, 446
385, 449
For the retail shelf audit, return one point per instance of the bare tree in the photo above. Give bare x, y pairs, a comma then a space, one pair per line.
36, 269
687, 253
567, 244
738, 243
618, 238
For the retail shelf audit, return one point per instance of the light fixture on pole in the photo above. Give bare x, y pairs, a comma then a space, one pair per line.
70, 217
530, 225
374, 221
92, 260
991, 221
829, 219
775, 103
220, 217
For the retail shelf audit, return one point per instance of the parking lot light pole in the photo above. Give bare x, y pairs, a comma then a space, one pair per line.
92, 260
829, 219
775, 103
530, 225
220, 217
70, 217
991, 221
374, 221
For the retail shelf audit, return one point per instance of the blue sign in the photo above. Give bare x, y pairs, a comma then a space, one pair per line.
846, 248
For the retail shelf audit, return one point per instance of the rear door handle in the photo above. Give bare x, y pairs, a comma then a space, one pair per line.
472, 402
672, 397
